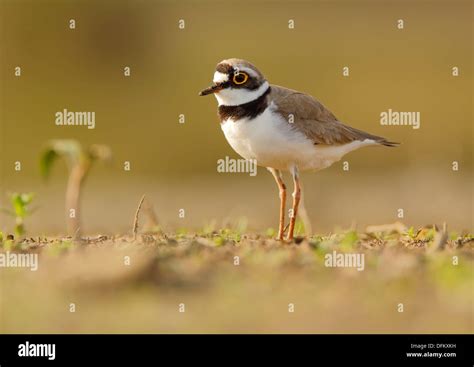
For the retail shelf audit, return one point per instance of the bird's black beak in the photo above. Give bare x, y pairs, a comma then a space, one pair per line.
215, 88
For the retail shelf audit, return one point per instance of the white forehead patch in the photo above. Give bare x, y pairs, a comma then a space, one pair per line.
220, 77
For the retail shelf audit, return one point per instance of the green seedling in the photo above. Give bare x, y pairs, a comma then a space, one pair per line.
411, 232
270, 232
349, 240
20, 209
300, 227
79, 162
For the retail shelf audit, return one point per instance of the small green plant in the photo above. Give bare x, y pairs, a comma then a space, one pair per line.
20, 209
270, 232
79, 162
219, 240
300, 227
230, 234
411, 232
349, 240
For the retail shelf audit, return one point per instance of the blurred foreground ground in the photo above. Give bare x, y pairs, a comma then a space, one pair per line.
199, 271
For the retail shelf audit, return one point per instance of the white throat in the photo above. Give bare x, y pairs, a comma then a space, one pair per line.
237, 96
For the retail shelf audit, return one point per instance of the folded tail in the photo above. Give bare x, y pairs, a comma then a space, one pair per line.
388, 143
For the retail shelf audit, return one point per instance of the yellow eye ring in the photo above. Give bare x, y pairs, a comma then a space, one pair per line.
237, 79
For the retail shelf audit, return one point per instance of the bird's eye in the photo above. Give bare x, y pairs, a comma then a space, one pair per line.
240, 78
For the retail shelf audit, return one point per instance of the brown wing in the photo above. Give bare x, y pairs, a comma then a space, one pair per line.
316, 121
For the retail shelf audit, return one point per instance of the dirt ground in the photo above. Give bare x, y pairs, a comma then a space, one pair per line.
222, 280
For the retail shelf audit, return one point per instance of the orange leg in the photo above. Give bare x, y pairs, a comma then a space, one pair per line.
281, 186
296, 202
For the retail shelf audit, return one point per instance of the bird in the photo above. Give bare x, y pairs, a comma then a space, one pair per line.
281, 129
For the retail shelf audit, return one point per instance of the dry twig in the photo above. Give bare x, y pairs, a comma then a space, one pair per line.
135, 220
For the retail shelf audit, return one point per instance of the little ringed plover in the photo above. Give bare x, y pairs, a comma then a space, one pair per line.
282, 129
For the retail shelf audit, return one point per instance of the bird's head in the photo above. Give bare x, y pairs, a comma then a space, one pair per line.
236, 82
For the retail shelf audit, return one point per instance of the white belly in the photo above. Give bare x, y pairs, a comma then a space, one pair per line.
273, 142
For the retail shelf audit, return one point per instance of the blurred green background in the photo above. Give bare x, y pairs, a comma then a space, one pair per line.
175, 164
